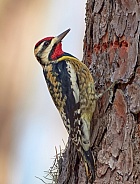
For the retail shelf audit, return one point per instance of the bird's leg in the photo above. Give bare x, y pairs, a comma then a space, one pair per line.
108, 89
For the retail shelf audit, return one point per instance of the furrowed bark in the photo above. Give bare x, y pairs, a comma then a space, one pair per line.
111, 51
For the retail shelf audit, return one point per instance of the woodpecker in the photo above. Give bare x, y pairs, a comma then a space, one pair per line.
72, 89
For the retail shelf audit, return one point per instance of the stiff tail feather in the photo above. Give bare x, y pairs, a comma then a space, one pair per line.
89, 165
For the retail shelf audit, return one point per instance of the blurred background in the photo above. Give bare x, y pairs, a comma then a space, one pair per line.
30, 126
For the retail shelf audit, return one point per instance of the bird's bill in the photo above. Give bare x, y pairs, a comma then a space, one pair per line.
61, 36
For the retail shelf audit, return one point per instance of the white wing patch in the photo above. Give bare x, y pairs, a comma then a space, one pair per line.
73, 79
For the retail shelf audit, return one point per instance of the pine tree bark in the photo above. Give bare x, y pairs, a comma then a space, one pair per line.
111, 51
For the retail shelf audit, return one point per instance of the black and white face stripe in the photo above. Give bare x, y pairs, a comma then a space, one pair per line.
49, 48
45, 43
48, 51
42, 51
39, 49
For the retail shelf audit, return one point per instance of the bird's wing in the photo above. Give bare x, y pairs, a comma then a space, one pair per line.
63, 85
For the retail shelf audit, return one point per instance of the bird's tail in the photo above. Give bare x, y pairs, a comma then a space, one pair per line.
89, 165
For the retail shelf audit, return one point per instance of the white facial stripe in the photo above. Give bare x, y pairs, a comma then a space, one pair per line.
54, 40
36, 51
73, 79
46, 52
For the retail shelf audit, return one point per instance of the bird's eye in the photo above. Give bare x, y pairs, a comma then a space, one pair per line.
46, 44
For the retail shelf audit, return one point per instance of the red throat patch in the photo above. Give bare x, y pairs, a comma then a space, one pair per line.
57, 51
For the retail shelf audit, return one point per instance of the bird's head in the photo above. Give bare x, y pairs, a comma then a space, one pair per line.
49, 48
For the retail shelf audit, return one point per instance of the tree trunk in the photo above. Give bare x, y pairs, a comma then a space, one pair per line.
111, 50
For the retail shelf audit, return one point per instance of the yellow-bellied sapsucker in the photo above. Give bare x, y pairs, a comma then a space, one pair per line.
72, 89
